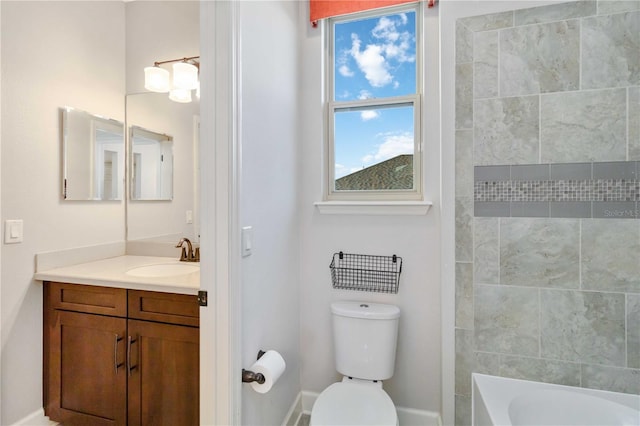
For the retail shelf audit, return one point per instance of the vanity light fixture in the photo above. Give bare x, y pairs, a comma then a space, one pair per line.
185, 78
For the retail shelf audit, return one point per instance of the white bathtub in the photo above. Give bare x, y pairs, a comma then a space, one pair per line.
502, 401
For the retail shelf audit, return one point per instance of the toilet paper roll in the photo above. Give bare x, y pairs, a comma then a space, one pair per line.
271, 365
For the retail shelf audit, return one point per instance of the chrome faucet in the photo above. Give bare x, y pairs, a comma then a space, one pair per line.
188, 253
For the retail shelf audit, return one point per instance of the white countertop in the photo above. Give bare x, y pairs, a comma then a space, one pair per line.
111, 272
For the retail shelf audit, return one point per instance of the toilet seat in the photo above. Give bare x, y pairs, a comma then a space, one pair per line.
354, 402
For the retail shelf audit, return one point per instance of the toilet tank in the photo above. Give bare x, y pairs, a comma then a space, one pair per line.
365, 336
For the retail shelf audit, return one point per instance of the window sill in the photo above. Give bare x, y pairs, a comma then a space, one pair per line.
391, 208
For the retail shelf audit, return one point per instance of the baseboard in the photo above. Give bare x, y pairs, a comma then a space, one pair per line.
413, 417
294, 413
36, 418
406, 416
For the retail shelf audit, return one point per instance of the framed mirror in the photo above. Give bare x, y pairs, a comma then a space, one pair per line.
151, 165
162, 168
92, 155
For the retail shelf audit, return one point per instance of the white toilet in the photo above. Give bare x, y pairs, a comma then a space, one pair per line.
365, 336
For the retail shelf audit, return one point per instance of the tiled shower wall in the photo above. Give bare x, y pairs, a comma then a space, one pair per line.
548, 291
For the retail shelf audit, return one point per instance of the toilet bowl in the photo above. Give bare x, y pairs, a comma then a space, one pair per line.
365, 336
354, 402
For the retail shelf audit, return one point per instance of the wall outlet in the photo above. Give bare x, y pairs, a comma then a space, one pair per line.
189, 216
13, 231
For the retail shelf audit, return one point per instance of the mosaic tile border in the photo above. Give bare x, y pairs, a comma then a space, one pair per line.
580, 190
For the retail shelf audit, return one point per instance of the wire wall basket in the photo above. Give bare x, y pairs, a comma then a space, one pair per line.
363, 272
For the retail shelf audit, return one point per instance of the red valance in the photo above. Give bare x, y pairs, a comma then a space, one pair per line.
320, 9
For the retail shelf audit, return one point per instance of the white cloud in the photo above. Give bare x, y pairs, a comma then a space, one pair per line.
394, 45
386, 30
369, 114
371, 62
344, 95
345, 71
365, 94
393, 145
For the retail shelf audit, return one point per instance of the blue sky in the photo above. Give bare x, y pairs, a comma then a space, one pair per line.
374, 58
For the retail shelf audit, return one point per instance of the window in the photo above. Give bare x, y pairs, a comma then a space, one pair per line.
374, 138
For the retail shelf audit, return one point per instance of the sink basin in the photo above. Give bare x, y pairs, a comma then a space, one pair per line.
164, 270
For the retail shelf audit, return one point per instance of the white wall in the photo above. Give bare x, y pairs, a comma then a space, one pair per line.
159, 31
269, 183
43, 69
416, 382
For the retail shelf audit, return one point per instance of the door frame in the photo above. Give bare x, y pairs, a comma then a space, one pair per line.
220, 322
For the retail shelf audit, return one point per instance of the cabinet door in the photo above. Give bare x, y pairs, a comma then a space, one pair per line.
164, 374
87, 381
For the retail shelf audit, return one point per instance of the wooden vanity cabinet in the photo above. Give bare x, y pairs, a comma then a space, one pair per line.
120, 357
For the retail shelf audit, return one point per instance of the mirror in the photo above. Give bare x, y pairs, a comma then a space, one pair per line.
159, 31
92, 156
151, 165
163, 168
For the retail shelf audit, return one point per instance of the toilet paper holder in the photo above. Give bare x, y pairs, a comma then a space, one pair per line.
250, 376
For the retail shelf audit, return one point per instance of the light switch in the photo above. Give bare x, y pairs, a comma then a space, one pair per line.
13, 231
247, 241
189, 216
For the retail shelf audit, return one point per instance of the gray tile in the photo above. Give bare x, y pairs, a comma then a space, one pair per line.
530, 172
539, 252
487, 363
305, 419
491, 173
485, 64
540, 58
559, 12
464, 163
610, 254
463, 410
464, 96
540, 370
634, 124
606, 7
464, 295
582, 326
491, 209
556, 12
464, 361
530, 209
625, 380
570, 171
633, 330
464, 230
494, 21
568, 209
486, 251
584, 126
615, 170
506, 131
614, 210
506, 319
464, 44
610, 51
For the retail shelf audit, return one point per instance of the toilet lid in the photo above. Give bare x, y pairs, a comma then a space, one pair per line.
346, 403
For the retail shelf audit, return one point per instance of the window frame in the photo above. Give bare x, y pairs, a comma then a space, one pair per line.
333, 106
